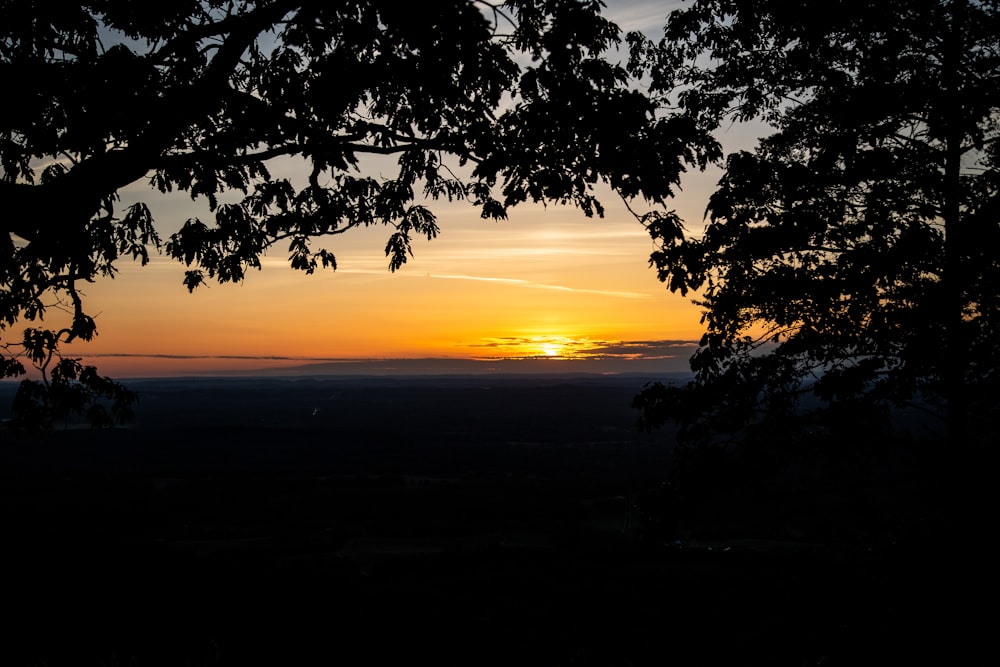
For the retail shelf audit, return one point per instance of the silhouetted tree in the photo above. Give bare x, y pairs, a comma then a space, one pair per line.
495, 104
849, 262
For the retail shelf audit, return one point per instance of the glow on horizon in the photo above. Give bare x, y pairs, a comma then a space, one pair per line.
562, 353
547, 272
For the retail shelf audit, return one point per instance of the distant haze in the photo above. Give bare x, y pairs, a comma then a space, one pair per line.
652, 358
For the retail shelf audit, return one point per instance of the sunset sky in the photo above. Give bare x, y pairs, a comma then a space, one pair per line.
547, 282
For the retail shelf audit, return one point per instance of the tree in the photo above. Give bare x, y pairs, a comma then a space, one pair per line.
489, 103
848, 263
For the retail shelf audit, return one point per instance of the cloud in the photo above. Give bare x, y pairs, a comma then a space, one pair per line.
237, 357
584, 348
520, 282
647, 16
646, 349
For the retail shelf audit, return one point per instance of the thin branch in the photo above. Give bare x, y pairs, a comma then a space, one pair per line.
498, 13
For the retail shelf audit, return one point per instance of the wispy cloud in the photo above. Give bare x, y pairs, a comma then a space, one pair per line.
646, 15
515, 282
501, 346
520, 282
228, 357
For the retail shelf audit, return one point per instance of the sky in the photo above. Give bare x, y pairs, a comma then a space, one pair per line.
548, 282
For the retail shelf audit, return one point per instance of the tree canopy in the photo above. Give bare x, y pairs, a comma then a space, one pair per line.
848, 263
496, 104
845, 265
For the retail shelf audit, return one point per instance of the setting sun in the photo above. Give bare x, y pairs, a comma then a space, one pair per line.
551, 349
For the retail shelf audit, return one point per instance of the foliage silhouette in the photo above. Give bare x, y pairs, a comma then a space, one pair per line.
848, 263
495, 104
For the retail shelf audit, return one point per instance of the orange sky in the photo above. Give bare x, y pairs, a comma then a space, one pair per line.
542, 283
546, 282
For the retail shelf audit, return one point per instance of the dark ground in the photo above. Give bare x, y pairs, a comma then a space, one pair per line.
459, 521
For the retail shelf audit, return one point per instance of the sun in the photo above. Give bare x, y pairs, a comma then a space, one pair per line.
551, 349
547, 346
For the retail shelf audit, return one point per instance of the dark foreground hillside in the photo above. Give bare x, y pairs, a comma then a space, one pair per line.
459, 521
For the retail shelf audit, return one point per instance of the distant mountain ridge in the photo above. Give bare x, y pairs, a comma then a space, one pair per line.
444, 366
